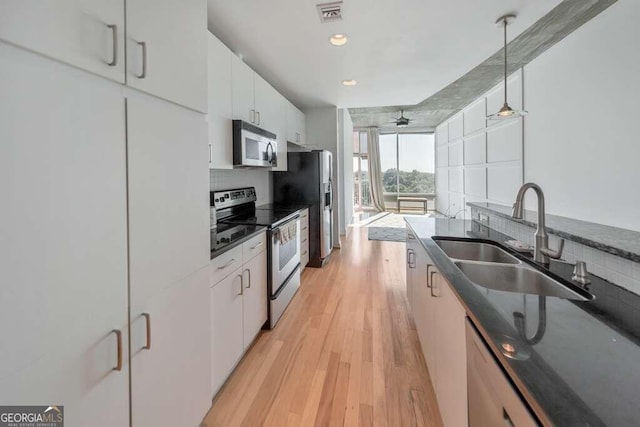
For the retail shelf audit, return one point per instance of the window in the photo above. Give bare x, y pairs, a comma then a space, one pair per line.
407, 161
361, 193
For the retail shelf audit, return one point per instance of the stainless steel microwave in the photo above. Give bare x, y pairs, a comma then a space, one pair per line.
253, 146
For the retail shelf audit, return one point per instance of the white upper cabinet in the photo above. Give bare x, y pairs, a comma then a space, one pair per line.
168, 195
63, 256
255, 101
296, 125
167, 50
272, 115
271, 108
243, 91
87, 34
220, 104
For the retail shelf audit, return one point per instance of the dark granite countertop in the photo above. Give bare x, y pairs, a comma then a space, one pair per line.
617, 241
248, 232
581, 357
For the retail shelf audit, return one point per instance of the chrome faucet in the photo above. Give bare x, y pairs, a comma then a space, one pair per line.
542, 252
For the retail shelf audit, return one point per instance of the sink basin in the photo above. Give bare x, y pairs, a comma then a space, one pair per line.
475, 251
520, 279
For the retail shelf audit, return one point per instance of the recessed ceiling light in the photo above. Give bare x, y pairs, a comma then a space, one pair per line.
338, 39
349, 82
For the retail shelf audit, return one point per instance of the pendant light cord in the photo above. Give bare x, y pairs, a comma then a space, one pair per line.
505, 61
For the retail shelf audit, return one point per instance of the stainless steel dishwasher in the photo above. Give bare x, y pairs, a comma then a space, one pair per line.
492, 399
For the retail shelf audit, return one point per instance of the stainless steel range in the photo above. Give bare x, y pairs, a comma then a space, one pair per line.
237, 208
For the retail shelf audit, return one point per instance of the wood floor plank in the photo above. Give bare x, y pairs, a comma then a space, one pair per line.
346, 351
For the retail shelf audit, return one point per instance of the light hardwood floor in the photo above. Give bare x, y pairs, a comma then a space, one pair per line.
346, 352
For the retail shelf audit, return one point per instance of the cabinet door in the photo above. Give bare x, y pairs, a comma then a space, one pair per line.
226, 327
220, 113
171, 380
88, 34
63, 242
411, 249
167, 50
242, 85
271, 113
292, 123
423, 314
295, 124
255, 297
302, 128
168, 195
451, 355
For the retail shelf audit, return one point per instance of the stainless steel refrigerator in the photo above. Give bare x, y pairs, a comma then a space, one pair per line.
309, 181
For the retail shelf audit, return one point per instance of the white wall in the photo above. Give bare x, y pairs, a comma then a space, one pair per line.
238, 178
581, 142
345, 130
322, 134
479, 160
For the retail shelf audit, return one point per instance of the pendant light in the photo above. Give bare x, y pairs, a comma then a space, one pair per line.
506, 112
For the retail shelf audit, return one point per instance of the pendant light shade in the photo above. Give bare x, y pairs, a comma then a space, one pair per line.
506, 112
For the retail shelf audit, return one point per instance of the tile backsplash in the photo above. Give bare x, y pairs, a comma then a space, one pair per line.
622, 272
236, 178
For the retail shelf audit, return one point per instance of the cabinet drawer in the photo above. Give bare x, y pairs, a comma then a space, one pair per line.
304, 258
304, 220
224, 264
254, 246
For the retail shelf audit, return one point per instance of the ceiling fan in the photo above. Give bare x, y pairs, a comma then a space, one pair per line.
402, 121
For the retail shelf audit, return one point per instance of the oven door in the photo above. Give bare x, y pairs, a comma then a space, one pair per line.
285, 257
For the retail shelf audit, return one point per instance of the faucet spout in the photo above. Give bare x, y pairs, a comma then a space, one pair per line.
542, 251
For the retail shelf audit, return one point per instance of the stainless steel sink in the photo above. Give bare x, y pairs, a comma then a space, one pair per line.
476, 251
520, 279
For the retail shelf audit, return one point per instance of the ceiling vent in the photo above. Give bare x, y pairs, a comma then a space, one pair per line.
330, 12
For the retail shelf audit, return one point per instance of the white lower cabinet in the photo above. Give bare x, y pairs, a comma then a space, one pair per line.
304, 238
227, 342
238, 306
450, 353
254, 301
440, 323
492, 399
170, 356
63, 241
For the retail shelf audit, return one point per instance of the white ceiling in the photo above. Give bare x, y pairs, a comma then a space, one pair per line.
400, 52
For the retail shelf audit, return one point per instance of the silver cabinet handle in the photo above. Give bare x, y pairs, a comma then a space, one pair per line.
142, 75
252, 114
411, 253
433, 287
304, 253
248, 271
258, 115
227, 264
118, 333
241, 284
147, 318
428, 267
411, 236
114, 37
259, 244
